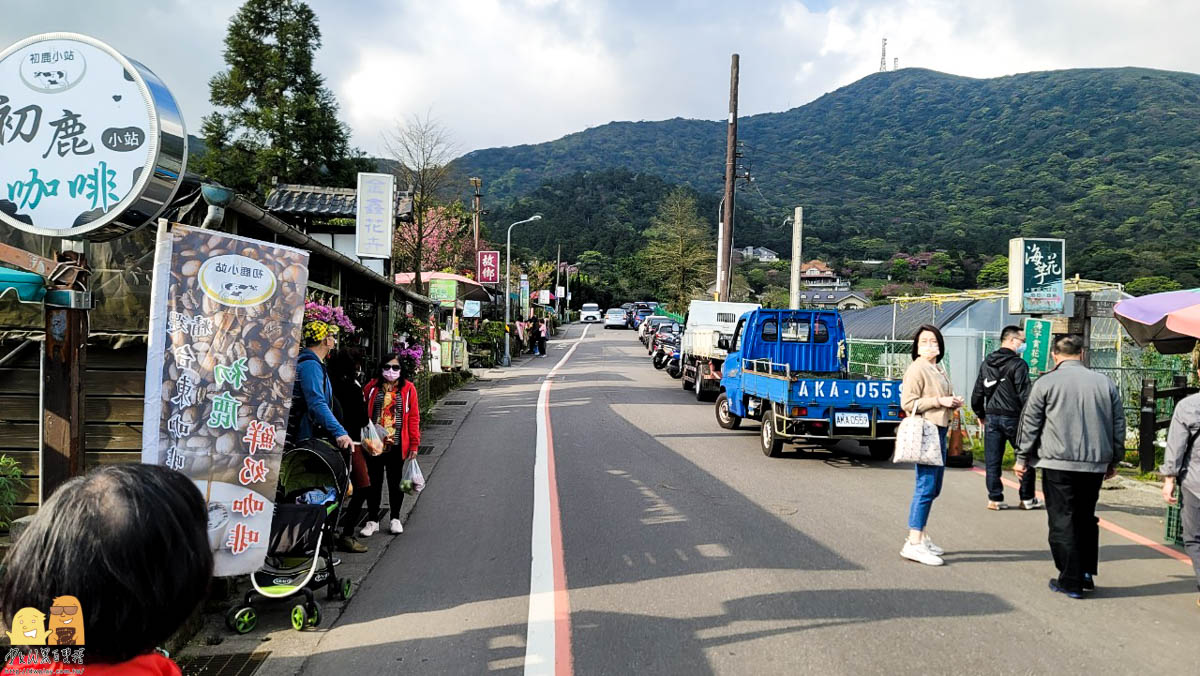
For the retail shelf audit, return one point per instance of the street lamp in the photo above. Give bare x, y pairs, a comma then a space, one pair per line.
508, 287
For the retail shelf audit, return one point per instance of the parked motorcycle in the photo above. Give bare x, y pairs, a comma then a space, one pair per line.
664, 348
675, 363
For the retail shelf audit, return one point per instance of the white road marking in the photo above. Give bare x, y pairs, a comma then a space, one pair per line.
540, 637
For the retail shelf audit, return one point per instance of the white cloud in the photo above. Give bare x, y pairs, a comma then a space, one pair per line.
502, 72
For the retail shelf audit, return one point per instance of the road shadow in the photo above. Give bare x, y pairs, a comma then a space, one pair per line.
654, 644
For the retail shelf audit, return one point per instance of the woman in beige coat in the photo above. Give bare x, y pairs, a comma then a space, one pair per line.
926, 392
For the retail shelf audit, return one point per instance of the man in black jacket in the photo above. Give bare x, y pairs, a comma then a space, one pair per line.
1000, 392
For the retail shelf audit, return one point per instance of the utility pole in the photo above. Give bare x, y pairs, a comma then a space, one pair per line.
797, 247
725, 252
557, 295
476, 206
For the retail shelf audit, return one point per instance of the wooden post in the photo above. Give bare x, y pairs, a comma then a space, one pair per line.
1147, 425
64, 359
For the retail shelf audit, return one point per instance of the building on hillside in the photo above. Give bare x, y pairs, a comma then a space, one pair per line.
817, 275
757, 253
841, 300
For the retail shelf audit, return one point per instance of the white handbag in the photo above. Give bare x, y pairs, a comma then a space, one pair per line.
917, 441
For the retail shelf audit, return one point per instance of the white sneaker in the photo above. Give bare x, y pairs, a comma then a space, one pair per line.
933, 549
369, 529
396, 527
1035, 503
920, 553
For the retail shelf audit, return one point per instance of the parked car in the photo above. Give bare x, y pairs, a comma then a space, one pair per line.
649, 326
639, 316
614, 318
664, 330
590, 312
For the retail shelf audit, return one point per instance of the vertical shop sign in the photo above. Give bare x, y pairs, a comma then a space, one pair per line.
225, 323
1036, 275
487, 267
374, 213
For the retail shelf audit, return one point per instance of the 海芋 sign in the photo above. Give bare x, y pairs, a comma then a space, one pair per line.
221, 362
1036, 274
1039, 334
375, 212
487, 267
92, 144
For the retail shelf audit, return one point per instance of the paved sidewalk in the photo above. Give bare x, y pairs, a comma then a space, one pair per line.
287, 648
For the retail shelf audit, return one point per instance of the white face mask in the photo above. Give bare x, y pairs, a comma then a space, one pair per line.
928, 350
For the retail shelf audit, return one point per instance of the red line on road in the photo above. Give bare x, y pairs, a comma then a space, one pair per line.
1112, 527
564, 660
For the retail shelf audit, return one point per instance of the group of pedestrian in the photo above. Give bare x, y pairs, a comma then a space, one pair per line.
1070, 424
335, 405
537, 332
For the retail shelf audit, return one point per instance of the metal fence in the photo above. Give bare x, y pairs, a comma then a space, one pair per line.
1125, 363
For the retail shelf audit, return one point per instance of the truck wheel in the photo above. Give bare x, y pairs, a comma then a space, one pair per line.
881, 450
725, 418
772, 445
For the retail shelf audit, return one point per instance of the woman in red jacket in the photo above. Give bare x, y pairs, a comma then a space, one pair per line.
392, 404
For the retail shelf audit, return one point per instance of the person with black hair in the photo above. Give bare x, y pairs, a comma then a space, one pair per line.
1073, 429
392, 405
130, 542
345, 373
926, 392
1000, 391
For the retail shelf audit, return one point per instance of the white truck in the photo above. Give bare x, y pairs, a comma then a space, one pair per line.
701, 356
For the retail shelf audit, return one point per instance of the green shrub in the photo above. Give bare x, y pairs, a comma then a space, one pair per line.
11, 488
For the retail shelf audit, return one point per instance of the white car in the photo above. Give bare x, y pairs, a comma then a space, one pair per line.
615, 317
590, 313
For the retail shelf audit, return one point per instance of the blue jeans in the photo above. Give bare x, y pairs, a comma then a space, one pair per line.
929, 486
998, 431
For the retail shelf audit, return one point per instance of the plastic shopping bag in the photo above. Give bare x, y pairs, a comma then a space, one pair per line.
372, 439
412, 480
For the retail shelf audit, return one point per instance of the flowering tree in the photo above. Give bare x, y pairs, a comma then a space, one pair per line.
443, 239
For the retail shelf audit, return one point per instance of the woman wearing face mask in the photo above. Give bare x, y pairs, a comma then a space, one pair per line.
392, 404
926, 392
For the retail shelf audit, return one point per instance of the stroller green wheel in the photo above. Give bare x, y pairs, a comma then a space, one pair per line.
241, 620
347, 589
299, 617
314, 614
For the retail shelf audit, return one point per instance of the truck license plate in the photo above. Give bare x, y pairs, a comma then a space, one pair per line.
852, 419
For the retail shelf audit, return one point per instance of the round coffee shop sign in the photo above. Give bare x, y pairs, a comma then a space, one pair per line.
92, 145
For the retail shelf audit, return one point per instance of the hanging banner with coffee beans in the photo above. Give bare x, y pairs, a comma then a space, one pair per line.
225, 322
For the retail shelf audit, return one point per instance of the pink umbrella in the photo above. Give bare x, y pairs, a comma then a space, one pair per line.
1170, 320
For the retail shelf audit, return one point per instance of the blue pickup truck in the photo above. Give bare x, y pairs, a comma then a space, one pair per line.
788, 369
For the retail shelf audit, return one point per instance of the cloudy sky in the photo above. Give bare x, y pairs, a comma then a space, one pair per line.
506, 72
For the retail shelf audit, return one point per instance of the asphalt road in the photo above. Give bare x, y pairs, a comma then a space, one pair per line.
687, 551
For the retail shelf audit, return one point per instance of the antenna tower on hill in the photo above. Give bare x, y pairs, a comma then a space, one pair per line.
896, 63
883, 58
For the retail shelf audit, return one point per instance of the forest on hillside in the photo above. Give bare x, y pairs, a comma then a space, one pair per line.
905, 161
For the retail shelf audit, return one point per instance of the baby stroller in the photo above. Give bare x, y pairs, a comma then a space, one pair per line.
300, 555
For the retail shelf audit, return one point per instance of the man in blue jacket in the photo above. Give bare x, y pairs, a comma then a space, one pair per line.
313, 388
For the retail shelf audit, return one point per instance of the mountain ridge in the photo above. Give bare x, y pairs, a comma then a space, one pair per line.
1108, 158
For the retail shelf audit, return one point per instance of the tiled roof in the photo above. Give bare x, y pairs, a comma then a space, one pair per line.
315, 200
817, 296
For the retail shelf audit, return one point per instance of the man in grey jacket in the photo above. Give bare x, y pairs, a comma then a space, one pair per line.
1073, 429
1182, 464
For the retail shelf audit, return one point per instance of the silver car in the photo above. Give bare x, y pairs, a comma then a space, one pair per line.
614, 318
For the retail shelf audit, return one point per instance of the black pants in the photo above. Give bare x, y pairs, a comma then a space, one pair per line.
541, 341
999, 430
1190, 513
1074, 529
391, 463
